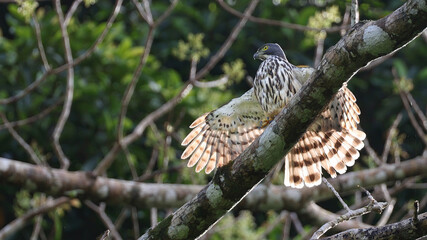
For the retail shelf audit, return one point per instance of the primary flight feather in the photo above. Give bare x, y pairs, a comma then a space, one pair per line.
331, 142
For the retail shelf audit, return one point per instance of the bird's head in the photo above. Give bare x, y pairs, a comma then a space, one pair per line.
269, 49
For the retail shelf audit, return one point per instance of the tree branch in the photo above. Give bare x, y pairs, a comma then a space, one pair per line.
86, 186
273, 22
363, 43
404, 230
20, 222
100, 210
43, 113
69, 92
30, 151
65, 66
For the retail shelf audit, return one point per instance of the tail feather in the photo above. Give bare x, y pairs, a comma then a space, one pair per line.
333, 151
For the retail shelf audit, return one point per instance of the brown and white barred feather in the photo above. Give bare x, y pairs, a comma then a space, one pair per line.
220, 136
331, 142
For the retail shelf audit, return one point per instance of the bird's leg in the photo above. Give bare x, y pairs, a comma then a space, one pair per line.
264, 123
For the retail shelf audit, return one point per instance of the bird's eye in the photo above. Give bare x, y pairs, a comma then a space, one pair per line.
265, 48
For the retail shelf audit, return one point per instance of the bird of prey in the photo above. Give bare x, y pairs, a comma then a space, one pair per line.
331, 142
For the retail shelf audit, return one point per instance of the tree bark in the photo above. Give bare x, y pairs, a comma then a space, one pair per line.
363, 43
404, 230
86, 186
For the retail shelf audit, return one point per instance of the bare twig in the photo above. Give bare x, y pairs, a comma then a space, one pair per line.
101, 37
354, 12
372, 206
390, 135
319, 50
147, 48
153, 158
141, 11
64, 67
100, 210
282, 218
345, 20
131, 87
318, 216
107, 160
140, 128
37, 227
148, 11
371, 152
40, 43
422, 204
122, 217
411, 116
130, 162
415, 219
418, 186
250, 80
374, 63
417, 110
21, 141
71, 11
34, 118
336, 194
149, 175
135, 224
153, 217
387, 213
20, 222
358, 201
64, 161
27, 90
105, 235
278, 23
386, 193
287, 227
229, 41
221, 81
166, 13
297, 223
403, 230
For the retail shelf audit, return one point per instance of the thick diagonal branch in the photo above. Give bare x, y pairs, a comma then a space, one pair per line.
363, 43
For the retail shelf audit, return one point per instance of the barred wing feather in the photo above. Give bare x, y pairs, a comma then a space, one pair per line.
332, 142
220, 136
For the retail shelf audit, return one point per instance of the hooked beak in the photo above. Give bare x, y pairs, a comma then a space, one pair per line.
259, 55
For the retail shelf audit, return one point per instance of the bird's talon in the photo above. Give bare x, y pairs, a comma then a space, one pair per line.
264, 123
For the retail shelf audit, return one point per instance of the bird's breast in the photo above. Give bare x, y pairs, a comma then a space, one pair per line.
271, 87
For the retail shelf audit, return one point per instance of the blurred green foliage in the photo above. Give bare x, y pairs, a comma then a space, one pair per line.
195, 30
323, 19
192, 49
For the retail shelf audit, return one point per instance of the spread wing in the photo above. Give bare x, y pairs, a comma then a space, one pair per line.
332, 142
302, 73
342, 112
221, 135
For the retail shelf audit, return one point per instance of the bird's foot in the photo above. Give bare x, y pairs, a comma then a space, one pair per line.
264, 123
